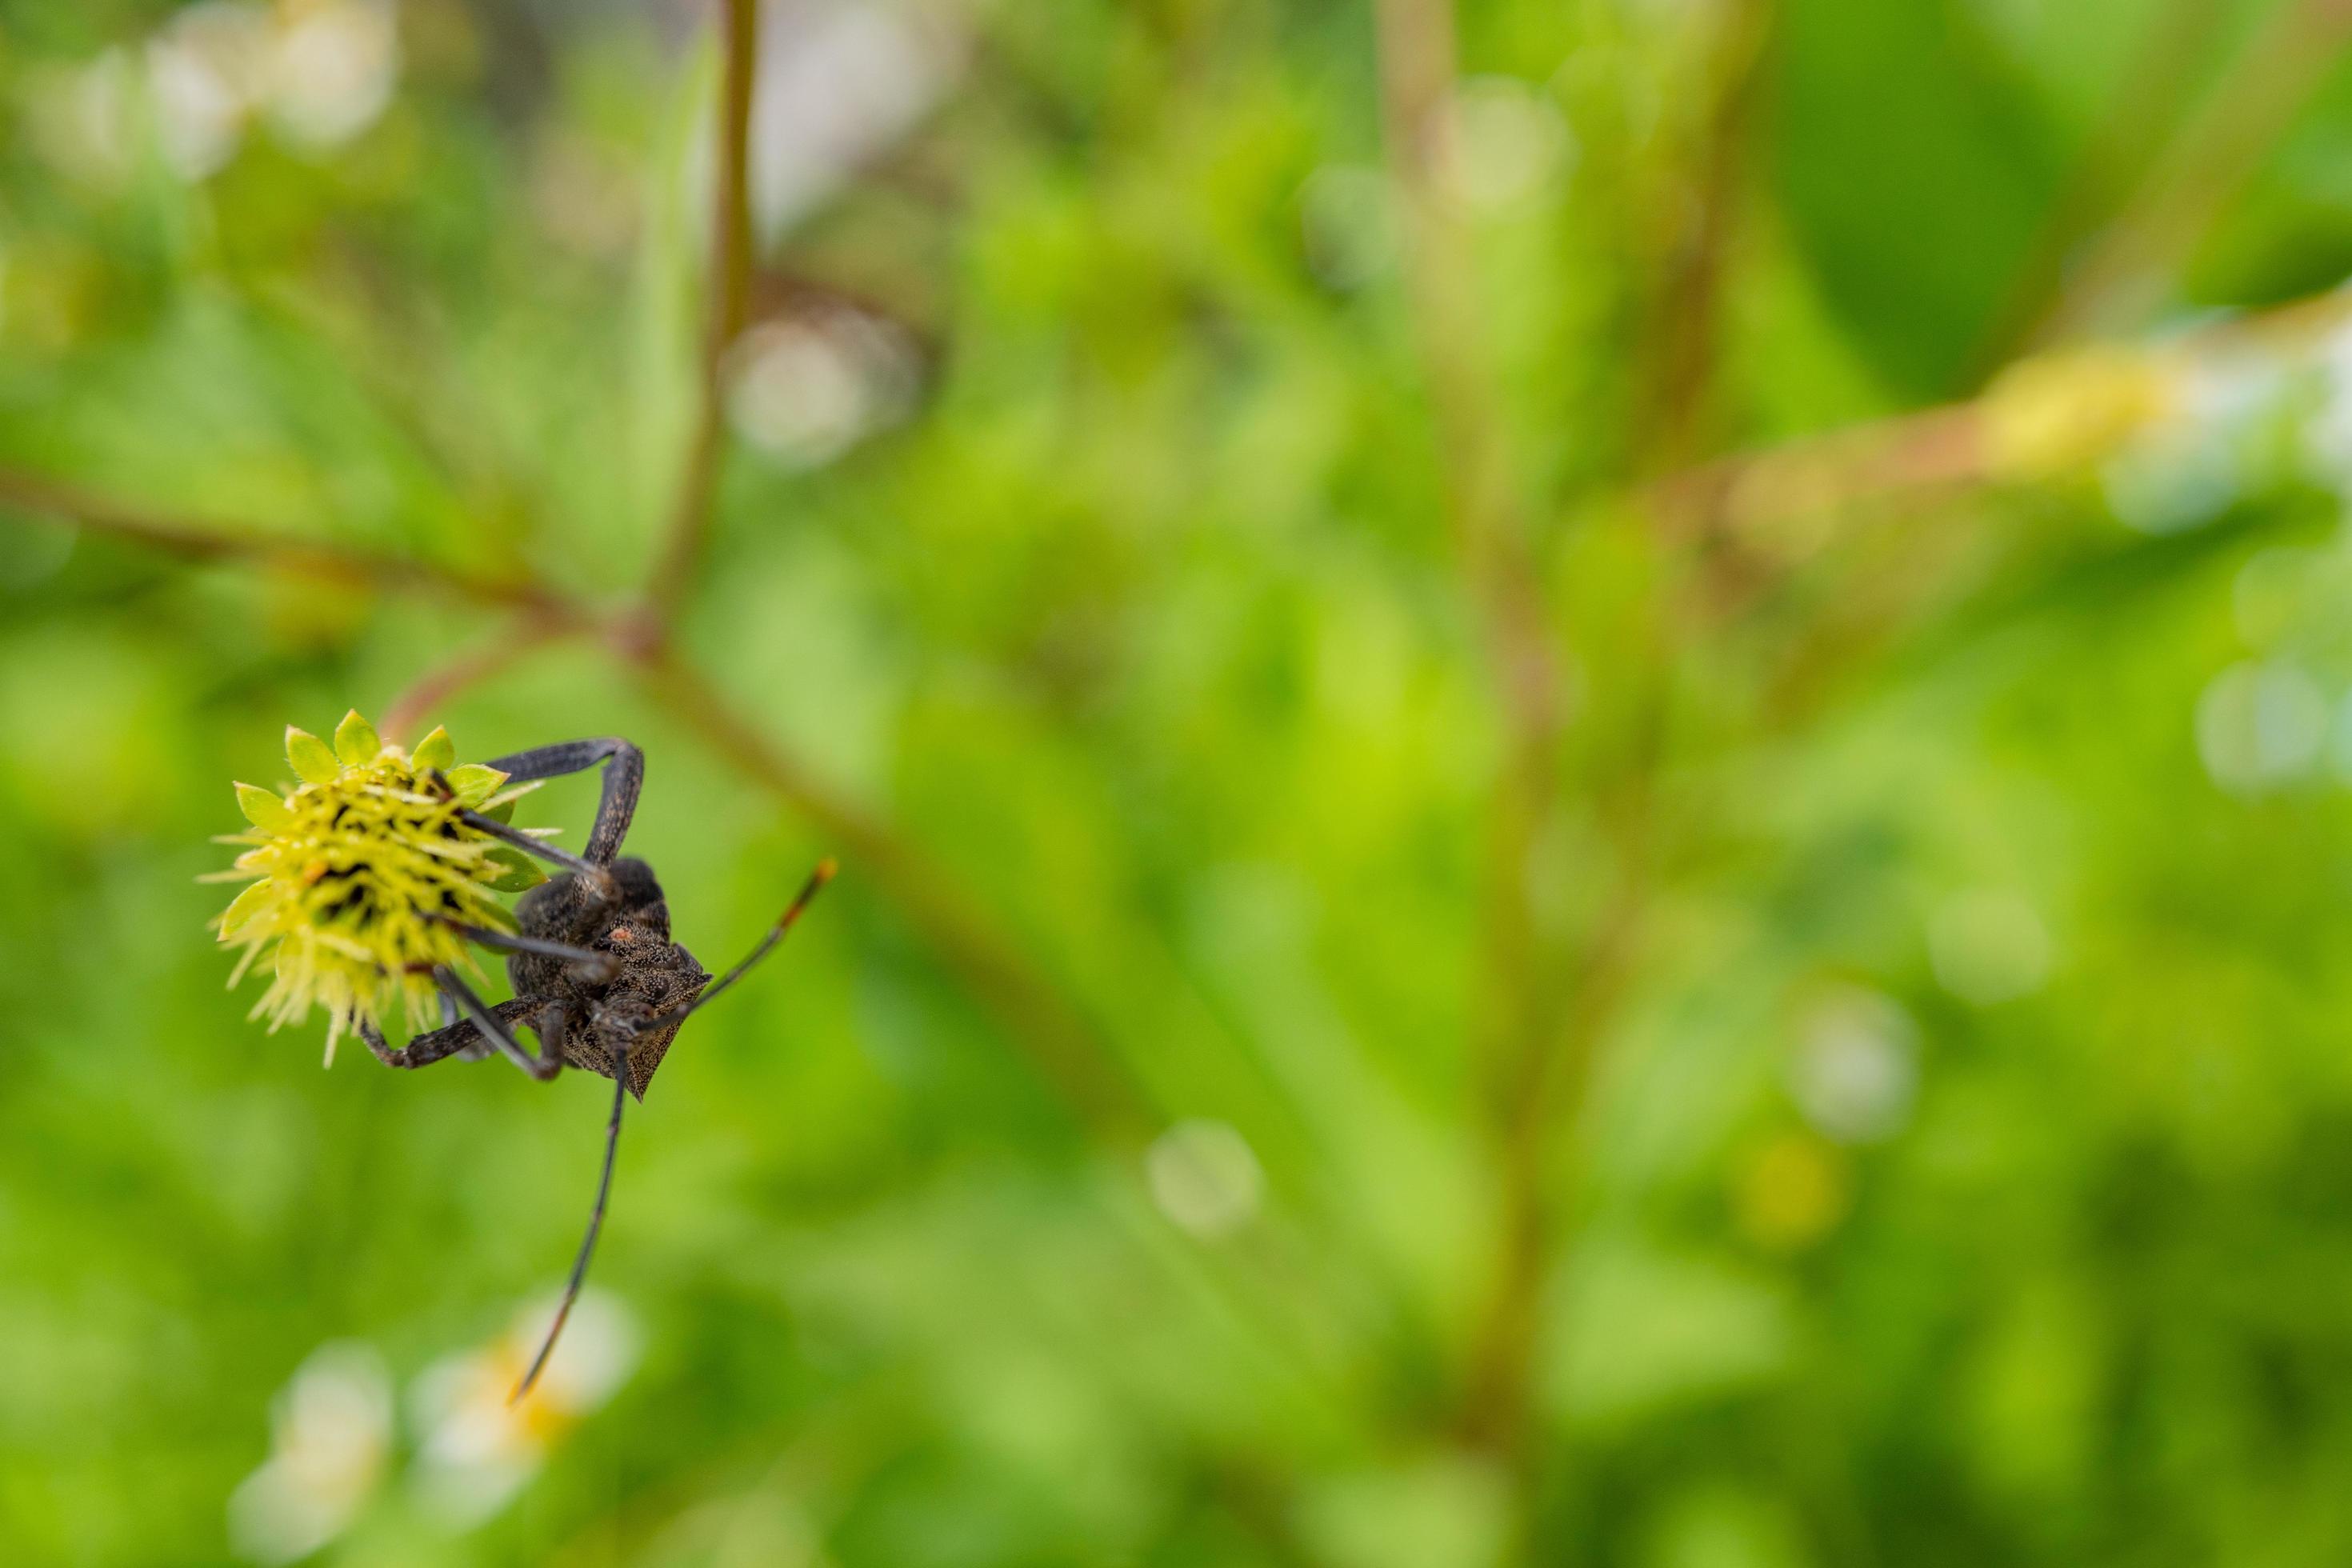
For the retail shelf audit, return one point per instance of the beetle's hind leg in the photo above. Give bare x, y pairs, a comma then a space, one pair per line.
543, 1065
452, 1039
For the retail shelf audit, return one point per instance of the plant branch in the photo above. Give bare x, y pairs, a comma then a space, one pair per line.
1519, 1012
44, 496
729, 291
1684, 321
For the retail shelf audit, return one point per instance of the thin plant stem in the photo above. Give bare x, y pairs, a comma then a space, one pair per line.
34, 493
729, 291
1684, 323
1517, 1016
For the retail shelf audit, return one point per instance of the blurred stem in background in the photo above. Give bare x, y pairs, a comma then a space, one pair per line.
1516, 1011
727, 301
1686, 316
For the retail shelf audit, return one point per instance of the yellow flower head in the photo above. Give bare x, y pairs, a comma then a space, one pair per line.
359, 872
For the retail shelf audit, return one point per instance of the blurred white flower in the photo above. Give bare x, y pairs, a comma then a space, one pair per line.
1856, 1067
839, 82
477, 1450
2259, 726
2327, 432
806, 388
321, 72
1204, 1177
1989, 946
1510, 141
330, 1433
332, 70
2189, 464
204, 69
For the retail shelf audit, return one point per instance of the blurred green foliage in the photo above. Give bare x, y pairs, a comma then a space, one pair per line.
1956, 1176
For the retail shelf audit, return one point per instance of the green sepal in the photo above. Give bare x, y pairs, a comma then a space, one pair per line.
521, 874
436, 751
313, 761
264, 809
474, 783
243, 907
355, 740
490, 912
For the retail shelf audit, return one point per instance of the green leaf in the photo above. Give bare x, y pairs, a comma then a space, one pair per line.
355, 740
475, 782
436, 751
313, 762
263, 808
243, 907
522, 872
1920, 235
499, 811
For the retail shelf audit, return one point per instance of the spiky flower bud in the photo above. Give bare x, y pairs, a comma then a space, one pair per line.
359, 873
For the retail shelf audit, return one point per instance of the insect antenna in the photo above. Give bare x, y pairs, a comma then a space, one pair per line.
817, 879
595, 1224
809, 890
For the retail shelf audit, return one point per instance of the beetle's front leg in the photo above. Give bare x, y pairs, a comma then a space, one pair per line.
624, 775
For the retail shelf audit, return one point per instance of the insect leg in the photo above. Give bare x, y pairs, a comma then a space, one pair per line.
424, 1050
599, 966
625, 774
544, 1066
527, 844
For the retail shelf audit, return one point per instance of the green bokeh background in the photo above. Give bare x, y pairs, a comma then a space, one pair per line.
1143, 622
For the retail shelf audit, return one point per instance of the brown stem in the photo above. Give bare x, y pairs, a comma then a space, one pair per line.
1061, 1042
1520, 1015
1491, 533
1684, 326
728, 295
47, 497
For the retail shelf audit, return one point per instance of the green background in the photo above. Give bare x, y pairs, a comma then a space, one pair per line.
1142, 630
